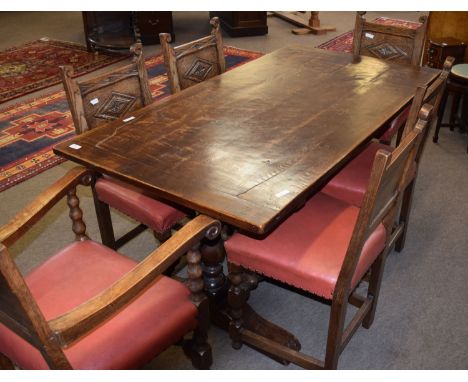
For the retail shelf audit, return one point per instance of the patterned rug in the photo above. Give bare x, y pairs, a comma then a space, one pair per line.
29, 130
35, 65
344, 42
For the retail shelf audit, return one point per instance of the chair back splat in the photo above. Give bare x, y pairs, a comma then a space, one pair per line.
100, 100
389, 42
390, 174
109, 96
195, 61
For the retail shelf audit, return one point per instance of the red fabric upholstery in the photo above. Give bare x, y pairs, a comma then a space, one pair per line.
350, 184
308, 249
396, 124
131, 201
152, 322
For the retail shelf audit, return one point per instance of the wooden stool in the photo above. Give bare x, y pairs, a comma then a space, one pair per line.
457, 86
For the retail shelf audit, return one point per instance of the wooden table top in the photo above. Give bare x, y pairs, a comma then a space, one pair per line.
249, 146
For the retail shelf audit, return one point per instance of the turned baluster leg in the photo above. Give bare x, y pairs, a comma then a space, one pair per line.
213, 255
198, 349
236, 298
76, 215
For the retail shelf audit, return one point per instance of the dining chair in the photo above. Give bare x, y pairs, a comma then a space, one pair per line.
351, 183
325, 249
391, 43
195, 61
89, 307
103, 99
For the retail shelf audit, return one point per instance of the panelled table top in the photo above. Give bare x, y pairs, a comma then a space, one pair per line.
248, 146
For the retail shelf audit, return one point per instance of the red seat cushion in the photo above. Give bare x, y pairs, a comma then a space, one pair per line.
157, 318
350, 184
307, 250
133, 202
396, 125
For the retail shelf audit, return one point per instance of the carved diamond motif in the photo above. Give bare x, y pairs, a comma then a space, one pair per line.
199, 70
115, 106
386, 51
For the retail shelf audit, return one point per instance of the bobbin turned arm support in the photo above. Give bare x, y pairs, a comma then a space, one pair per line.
35, 210
77, 322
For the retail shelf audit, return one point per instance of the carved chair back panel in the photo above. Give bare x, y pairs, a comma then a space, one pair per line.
197, 62
389, 42
114, 96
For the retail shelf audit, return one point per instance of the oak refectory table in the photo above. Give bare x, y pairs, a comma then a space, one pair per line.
248, 147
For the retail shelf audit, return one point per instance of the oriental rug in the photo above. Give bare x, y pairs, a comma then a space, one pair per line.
344, 42
35, 65
29, 130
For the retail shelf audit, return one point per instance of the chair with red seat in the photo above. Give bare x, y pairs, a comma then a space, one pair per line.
351, 183
100, 100
392, 43
89, 307
326, 248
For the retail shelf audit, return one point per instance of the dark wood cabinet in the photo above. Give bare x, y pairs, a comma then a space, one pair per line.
239, 24
116, 31
440, 48
442, 26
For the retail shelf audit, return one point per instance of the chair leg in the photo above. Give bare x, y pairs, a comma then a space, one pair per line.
440, 117
404, 215
104, 221
374, 287
5, 363
453, 112
237, 297
335, 333
198, 349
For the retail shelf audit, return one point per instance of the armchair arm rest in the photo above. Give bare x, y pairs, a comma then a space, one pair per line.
35, 210
82, 319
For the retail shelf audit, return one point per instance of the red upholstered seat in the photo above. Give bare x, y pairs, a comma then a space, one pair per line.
308, 249
131, 201
397, 124
350, 184
152, 322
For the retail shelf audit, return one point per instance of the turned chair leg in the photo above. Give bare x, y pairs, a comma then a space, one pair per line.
198, 349
237, 297
404, 215
5, 363
374, 287
335, 333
